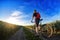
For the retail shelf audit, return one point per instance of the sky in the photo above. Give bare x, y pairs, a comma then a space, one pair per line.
20, 11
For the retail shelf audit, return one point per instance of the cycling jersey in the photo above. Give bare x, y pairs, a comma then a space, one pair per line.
37, 18
36, 15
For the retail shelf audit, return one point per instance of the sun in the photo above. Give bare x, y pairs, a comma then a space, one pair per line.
12, 20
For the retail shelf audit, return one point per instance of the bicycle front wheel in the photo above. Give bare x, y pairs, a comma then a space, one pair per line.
47, 31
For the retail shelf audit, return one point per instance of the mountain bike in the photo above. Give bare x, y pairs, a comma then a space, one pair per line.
45, 29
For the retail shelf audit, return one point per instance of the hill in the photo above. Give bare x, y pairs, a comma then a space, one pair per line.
7, 29
55, 28
55, 24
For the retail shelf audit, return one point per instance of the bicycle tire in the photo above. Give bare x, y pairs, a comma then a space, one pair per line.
47, 31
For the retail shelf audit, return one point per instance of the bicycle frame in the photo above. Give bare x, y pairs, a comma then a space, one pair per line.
43, 29
38, 25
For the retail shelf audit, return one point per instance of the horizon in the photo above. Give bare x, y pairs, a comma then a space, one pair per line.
20, 11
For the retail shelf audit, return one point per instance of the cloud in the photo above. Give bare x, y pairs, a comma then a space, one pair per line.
16, 13
56, 17
20, 18
17, 17
52, 18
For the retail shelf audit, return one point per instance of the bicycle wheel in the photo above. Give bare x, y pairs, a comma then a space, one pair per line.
47, 31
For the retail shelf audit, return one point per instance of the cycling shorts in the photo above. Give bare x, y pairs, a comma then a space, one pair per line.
37, 21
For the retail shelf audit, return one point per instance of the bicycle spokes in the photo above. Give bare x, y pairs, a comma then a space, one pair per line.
47, 31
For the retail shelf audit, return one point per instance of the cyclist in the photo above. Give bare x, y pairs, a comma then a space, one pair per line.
37, 17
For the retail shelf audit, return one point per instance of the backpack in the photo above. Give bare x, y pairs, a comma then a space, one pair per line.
37, 16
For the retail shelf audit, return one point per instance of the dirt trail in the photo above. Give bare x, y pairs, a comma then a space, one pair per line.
19, 35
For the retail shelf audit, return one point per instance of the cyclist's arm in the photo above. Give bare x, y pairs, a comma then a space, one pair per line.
33, 16
40, 16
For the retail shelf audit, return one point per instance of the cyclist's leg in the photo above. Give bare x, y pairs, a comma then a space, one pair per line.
36, 29
37, 23
39, 27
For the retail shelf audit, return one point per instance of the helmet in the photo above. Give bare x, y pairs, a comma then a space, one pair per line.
35, 10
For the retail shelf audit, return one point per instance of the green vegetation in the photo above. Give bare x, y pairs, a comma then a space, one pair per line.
55, 25
29, 35
7, 30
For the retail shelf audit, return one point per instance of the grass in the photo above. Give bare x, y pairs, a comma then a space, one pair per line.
7, 30
29, 35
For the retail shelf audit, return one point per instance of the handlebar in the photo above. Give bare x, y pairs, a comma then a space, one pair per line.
41, 19
34, 22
